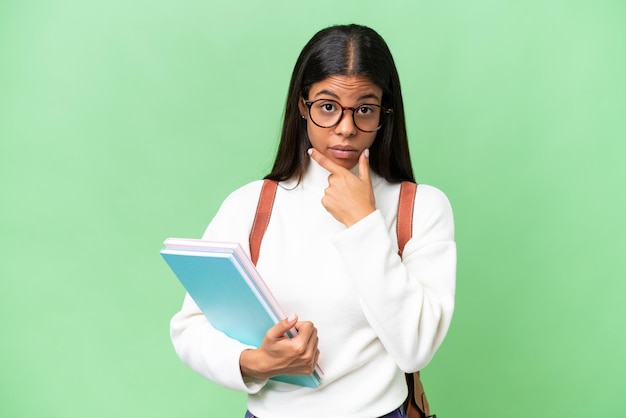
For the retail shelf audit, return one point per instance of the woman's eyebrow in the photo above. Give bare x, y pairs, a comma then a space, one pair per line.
327, 92
368, 96
363, 97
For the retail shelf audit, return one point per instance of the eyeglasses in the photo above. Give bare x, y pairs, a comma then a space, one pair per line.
327, 113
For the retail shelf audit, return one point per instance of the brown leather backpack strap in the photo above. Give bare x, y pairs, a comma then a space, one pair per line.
262, 217
416, 405
404, 222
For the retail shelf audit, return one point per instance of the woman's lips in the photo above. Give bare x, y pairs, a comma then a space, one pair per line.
343, 152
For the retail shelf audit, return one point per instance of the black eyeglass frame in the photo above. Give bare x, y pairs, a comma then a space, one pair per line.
384, 112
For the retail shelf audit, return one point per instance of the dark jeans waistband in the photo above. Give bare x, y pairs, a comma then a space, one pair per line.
396, 413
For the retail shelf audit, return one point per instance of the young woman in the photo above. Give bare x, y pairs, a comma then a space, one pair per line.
330, 251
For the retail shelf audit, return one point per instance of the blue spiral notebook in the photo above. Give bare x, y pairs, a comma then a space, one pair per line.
229, 291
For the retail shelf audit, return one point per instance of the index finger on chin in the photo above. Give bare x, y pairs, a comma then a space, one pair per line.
325, 162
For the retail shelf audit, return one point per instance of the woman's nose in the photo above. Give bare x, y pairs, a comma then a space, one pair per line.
346, 126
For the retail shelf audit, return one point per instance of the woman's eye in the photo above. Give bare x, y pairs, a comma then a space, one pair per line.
365, 110
328, 107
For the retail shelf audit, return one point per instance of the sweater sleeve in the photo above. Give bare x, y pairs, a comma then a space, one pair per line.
203, 348
408, 302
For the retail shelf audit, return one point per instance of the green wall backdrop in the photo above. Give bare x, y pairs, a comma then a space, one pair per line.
126, 122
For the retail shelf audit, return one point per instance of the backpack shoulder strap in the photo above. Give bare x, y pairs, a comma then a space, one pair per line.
404, 222
262, 217
416, 405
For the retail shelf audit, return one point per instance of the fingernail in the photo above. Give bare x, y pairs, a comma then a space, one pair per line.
291, 318
367, 153
309, 151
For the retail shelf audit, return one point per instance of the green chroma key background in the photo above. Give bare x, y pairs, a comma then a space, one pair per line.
124, 123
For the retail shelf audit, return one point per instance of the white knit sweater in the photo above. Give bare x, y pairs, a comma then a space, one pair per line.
377, 316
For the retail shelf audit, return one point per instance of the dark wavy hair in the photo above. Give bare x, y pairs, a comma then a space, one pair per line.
346, 50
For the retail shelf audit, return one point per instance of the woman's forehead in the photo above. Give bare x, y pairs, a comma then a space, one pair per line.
346, 87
